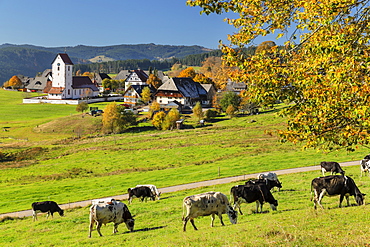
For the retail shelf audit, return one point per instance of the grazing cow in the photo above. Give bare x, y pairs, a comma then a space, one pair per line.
209, 203
258, 193
142, 192
332, 167
335, 185
365, 166
114, 211
48, 206
153, 188
270, 176
269, 183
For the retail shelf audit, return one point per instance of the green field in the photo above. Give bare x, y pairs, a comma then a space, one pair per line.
63, 157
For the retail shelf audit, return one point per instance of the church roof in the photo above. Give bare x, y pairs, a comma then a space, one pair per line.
65, 58
83, 82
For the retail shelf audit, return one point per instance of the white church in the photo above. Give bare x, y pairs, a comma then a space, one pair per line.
64, 85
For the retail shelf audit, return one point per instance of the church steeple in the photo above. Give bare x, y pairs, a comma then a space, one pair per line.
62, 68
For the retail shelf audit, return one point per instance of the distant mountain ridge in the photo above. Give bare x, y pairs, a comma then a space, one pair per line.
30, 59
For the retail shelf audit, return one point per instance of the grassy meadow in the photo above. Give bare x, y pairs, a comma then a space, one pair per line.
62, 156
159, 223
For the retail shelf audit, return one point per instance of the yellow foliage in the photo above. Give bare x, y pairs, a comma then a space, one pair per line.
322, 70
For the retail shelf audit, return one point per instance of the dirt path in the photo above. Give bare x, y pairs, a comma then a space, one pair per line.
27, 213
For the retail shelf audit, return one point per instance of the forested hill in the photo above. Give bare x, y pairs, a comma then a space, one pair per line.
28, 60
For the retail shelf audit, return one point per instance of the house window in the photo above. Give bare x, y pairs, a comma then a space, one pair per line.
58, 68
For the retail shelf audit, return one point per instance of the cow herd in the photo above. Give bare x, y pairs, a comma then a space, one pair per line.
216, 203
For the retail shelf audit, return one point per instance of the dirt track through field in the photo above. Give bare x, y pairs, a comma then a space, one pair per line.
27, 213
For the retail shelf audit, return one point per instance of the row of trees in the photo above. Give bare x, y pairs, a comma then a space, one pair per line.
116, 66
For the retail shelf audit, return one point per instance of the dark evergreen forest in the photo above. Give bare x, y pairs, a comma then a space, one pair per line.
146, 64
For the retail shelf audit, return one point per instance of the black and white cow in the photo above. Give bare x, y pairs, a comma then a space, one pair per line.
209, 203
367, 157
258, 193
269, 183
335, 185
49, 207
365, 166
153, 188
270, 176
332, 167
114, 211
142, 192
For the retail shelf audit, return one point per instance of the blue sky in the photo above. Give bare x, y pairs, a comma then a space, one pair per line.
54, 23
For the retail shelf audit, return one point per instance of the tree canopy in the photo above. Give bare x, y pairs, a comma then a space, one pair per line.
14, 82
323, 68
116, 119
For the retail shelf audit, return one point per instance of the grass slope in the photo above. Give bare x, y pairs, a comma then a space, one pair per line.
52, 164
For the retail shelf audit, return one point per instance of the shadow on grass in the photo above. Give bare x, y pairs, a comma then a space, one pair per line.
167, 197
140, 129
148, 229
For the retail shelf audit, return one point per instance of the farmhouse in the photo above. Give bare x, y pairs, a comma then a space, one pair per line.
39, 82
181, 89
98, 80
236, 87
132, 95
211, 92
66, 86
136, 77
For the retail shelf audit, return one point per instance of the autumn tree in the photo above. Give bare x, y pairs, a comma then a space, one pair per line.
322, 70
116, 119
229, 98
82, 106
202, 79
14, 82
158, 119
175, 70
214, 68
154, 81
169, 122
266, 47
88, 74
230, 111
188, 72
110, 84
198, 111
155, 106
146, 95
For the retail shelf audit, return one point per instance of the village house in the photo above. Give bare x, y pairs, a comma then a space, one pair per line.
38, 83
122, 75
236, 87
132, 95
183, 90
66, 86
98, 80
211, 92
136, 77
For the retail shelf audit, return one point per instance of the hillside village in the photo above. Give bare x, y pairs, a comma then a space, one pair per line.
59, 86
